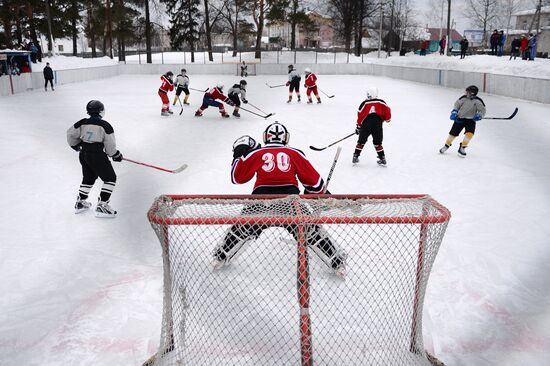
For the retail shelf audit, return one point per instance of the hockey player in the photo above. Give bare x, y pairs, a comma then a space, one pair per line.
293, 83
94, 139
182, 85
277, 168
468, 109
233, 94
210, 97
311, 86
244, 70
372, 113
166, 86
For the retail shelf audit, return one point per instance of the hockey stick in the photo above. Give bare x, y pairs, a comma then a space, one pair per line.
256, 114
175, 171
204, 91
509, 117
328, 96
333, 166
334, 143
252, 105
275, 86
181, 104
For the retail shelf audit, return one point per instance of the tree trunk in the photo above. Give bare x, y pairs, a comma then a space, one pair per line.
120, 31
208, 31
74, 32
18, 31
293, 25
50, 36
91, 30
109, 27
260, 25
148, 33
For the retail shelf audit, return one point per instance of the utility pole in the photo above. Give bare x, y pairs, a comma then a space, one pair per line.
449, 40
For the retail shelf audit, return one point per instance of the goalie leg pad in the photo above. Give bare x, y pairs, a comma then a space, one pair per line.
235, 239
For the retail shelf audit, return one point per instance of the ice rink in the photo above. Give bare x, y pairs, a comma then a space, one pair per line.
77, 290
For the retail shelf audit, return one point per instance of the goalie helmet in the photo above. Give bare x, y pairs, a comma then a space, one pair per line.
95, 108
472, 89
276, 133
372, 92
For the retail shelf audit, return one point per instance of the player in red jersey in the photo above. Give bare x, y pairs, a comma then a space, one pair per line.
277, 168
209, 99
311, 85
166, 86
370, 116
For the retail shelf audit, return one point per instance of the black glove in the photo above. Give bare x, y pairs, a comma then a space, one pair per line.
77, 147
357, 130
243, 145
229, 101
245, 101
117, 157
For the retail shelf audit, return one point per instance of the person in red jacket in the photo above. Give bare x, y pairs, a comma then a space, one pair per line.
370, 116
210, 97
166, 86
277, 168
311, 85
523, 45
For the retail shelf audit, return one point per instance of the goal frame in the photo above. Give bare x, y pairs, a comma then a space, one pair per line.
303, 273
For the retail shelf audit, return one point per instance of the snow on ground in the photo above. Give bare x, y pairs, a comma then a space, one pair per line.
60, 62
82, 291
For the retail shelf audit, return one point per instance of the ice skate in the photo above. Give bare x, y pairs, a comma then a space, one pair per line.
355, 159
289, 101
299, 100
382, 162
236, 114
462, 151
170, 111
103, 210
224, 115
318, 101
81, 205
444, 148
164, 113
309, 101
198, 114
186, 103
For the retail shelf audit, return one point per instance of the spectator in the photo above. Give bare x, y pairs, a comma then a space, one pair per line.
34, 52
39, 52
523, 44
423, 47
442, 45
501, 43
463, 47
48, 76
25, 68
494, 42
532, 46
515, 47
15, 69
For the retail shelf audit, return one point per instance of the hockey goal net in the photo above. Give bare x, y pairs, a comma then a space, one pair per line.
296, 280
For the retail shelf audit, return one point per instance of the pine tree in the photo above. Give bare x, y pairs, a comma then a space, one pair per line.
184, 16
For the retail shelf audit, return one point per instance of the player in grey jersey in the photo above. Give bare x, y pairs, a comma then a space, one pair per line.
94, 139
233, 94
182, 85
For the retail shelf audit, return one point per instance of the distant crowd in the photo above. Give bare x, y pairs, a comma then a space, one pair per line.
524, 46
14, 68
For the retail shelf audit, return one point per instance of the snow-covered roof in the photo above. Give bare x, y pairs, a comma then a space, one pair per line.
434, 33
543, 10
7, 50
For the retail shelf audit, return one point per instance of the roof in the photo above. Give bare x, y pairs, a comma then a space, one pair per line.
434, 33
543, 10
7, 51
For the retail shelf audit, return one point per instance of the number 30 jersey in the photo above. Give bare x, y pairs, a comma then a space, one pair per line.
276, 165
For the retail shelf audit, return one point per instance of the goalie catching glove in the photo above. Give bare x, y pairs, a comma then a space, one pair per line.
243, 145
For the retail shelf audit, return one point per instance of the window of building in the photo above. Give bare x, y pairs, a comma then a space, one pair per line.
60, 48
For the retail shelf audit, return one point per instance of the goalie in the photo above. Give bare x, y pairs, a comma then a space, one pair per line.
277, 168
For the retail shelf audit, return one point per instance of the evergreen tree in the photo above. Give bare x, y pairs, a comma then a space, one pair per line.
184, 16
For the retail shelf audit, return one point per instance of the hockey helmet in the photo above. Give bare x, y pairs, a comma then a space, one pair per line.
95, 108
243, 83
307, 70
219, 85
291, 67
276, 133
372, 92
183, 71
472, 89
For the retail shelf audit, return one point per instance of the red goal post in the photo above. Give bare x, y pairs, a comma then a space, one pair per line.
281, 297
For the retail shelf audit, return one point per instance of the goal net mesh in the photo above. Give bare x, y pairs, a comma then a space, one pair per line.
299, 280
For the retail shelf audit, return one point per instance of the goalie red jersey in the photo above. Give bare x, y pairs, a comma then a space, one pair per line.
276, 165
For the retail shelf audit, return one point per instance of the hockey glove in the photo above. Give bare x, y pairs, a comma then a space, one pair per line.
287, 83
245, 101
357, 130
243, 145
454, 115
117, 157
477, 117
230, 102
77, 147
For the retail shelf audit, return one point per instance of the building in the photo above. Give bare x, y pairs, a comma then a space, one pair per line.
435, 35
321, 35
524, 19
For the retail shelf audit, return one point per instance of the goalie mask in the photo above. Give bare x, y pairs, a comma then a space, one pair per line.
276, 133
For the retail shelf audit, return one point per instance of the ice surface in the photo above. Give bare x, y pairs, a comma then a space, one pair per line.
77, 290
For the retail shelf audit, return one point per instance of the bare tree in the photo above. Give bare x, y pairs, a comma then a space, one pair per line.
482, 13
260, 9
508, 8
231, 12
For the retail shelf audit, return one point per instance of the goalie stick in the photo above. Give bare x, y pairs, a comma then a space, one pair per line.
175, 171
509, 117
328, 96
329, 145
275, 86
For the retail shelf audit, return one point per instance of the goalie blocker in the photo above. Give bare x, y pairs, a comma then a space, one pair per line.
278, 169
